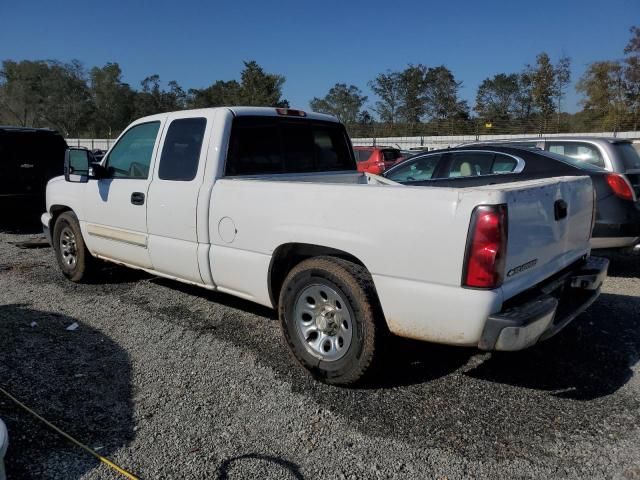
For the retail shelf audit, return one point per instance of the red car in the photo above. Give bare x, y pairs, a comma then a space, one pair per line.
376, 159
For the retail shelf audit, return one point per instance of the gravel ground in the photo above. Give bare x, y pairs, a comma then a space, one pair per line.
171, 381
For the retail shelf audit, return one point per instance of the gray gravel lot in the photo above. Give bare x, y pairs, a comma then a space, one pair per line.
171, 381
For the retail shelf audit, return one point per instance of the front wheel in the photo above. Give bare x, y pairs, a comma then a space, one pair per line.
331, 319
74, 259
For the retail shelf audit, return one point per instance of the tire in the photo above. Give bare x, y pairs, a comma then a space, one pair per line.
75, 261
331, 319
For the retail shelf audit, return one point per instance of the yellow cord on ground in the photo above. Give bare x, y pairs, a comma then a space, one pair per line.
104, 460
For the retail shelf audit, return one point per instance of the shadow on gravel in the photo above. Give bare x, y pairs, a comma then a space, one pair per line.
626, 266
79, 380
255, 465
218, 297
592, 358
409, 362
506, 406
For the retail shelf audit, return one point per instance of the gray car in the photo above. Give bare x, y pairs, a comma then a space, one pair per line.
612, 154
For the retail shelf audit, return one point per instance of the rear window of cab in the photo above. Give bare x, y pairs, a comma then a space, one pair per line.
270, 145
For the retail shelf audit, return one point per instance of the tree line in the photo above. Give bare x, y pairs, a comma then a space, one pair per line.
425, 100
99, 104
418, 100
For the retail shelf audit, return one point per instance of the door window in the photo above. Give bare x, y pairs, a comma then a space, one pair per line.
131, 156
181, 149
470, 164
415, 170
476, 164
583, 152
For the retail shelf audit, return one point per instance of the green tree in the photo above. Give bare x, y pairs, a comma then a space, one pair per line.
632, 77
497, 97
155, 99
345, 102
387, 88
22, 92
602, 88
112, 100
562, 77
441, 95
66, 103
542, 91
411, 88
216, 95
525, 94
45, 93
258, 88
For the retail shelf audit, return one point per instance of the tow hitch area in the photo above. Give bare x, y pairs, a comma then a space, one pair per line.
559, 302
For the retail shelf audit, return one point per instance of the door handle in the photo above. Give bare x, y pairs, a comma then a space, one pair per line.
560, 209
137, 198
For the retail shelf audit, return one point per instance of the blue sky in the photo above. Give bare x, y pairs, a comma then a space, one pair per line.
316, 43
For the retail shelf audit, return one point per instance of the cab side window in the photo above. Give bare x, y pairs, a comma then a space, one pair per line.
181, 149
131, 156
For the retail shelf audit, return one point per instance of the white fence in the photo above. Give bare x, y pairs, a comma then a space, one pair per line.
423, 142
91, 143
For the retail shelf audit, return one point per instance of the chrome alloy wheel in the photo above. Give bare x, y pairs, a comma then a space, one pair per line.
323, 322
68, 248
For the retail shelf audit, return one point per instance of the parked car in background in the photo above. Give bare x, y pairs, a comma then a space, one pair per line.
376, 159
29, 157
97, 154
613, 154
617, 221
266, 204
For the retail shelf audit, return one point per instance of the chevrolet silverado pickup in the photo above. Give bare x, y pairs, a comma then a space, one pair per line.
267, 204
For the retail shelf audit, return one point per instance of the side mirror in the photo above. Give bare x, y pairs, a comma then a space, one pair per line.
76, 165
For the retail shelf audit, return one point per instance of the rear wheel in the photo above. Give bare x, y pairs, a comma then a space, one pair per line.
74, 259
331, 319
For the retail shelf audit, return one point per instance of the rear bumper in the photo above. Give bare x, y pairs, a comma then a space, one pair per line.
614, 242
557, 303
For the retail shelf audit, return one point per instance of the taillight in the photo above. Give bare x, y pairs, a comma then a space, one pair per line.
621, 186
486, 247
290, 112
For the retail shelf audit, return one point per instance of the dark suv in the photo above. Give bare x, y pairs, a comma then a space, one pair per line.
29, 157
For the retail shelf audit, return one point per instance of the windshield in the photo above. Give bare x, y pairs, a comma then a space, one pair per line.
628, 154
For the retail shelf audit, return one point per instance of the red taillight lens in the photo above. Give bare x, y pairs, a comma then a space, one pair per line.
621, 186
487, 248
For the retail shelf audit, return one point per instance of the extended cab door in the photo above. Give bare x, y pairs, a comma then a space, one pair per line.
173, 196
115, 223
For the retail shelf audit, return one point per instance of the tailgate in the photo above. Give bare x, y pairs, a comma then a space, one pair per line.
549, 224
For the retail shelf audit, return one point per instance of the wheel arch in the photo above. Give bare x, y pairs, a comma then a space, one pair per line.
56, 211
288, 255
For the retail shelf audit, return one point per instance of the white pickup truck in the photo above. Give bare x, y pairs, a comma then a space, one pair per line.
266, 204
